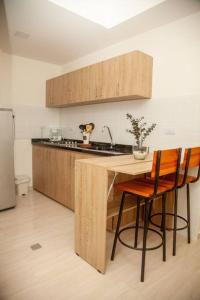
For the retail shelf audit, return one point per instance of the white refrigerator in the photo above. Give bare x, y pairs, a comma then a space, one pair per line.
7, 179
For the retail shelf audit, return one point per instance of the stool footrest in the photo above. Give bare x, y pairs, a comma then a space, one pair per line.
137, 248
169, 228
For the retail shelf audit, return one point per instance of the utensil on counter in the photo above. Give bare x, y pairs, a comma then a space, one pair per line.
86, 130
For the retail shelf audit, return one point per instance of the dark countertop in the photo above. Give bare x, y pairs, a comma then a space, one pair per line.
97, 148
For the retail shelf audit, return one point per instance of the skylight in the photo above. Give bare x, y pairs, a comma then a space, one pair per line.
107, 13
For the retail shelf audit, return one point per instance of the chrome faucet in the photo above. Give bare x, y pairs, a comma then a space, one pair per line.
110, 135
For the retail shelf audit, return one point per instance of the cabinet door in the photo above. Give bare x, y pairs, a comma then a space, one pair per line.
84, 84
43, 170
71, 88
128, 75
81, 82
135, 75
54, 173
95, 82
76, 87
67, 89
110, 85
38, 158
62, 175
55, 91
49, 92
58, 85
49, 172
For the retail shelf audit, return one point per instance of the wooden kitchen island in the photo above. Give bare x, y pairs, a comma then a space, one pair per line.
96, 202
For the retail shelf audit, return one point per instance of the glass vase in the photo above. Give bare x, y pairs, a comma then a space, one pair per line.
140, 152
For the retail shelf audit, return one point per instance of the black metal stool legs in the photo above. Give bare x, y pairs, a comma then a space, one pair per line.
144, 248
175, 221
137, 222
188, 212
150, 209
118, 226
146, 216
164, 225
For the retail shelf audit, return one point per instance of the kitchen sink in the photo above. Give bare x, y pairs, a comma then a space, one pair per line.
96, 147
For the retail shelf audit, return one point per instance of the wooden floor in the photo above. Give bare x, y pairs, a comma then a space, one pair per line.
55, 272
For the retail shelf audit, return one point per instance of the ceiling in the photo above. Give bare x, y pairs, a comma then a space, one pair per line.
102, 12
48, 32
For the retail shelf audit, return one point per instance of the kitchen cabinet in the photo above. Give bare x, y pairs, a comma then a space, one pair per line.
55, 91
83, 85
38, 165
43, 170
111, 73
49, 91
54, 176
134, 76
95, 82
54, 171
125, 77
75, 87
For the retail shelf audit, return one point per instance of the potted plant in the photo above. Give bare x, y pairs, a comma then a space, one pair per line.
140, 131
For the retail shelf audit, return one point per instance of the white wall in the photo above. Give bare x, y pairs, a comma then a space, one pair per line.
175, 105
5, 79
175, 49
28, 100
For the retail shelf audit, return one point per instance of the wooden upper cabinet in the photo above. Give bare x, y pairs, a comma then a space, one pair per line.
135, 76
68, 88
54, 91
125, 77
95, 82
110, 78
84, 84
49, 87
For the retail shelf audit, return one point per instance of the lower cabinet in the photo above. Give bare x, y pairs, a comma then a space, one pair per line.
54, 176
54, 172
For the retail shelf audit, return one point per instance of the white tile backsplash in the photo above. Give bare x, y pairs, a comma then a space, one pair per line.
177, 118
30, 119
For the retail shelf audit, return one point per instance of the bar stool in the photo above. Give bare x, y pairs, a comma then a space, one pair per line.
191, 160
164, 162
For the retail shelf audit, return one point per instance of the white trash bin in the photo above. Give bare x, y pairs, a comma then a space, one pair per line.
22, 183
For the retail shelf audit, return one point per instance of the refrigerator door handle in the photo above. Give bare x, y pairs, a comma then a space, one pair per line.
13, 126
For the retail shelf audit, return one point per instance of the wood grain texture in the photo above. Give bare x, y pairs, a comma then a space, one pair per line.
168, 162
54, 171
194, 158
125, 77
91, 207
112, 163
91, 214
55, 91
141, 188
54, 175
94, 210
